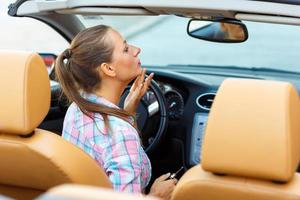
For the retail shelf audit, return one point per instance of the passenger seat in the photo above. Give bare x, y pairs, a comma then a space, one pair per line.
251, 146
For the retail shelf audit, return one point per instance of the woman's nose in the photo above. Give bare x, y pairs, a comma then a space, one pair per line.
137, 51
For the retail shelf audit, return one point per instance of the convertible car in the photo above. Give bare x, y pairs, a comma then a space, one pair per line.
223, 106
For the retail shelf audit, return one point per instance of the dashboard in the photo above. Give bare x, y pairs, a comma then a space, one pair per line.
176, 99
188, 102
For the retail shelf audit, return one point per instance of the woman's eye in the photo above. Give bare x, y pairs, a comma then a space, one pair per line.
126, 49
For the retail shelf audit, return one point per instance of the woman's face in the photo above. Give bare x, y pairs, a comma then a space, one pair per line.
125, 58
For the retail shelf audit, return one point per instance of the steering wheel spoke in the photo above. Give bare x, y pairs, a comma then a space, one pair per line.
153, 108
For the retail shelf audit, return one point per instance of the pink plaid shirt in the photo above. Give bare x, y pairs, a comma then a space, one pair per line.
118, 151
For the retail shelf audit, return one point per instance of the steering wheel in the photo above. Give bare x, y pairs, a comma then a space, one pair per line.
152, 118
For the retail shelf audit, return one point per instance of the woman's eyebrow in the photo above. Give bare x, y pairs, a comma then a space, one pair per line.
125, 42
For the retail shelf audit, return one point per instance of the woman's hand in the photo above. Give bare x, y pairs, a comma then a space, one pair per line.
162, 187
137, 90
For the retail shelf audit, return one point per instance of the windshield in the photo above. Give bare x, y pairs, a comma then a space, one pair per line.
164, 41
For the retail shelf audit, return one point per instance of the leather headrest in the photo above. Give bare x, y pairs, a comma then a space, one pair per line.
25, 92
83, 192
253, 130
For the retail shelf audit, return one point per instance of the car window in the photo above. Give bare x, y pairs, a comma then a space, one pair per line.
164, 41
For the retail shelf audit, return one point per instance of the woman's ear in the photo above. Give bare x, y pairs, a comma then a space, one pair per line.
107, 70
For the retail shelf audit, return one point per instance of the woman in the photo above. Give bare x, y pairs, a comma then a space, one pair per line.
93, 74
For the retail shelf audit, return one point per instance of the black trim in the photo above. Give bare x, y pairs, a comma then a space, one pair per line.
291, 2
13, 7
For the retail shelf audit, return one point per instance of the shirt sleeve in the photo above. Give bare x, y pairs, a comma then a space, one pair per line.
122, 159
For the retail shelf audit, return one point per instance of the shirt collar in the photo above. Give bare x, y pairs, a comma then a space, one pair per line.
99, 100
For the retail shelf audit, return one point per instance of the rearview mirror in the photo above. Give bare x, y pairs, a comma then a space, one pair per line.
230, 31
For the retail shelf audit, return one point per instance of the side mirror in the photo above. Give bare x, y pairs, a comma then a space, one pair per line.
229, 31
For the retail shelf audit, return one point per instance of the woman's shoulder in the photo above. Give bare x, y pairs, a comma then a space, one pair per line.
120, 123
79, 119
69, 116
75, 116
72, 109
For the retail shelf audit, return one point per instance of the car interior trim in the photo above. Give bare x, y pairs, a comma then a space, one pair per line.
197, 134
226, 9
106, 11
268, 18
202, 95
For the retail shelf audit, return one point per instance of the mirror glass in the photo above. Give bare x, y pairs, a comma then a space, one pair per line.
232, 31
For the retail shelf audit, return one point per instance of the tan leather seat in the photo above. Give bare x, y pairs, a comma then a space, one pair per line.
34, 160
251, 146
82, 192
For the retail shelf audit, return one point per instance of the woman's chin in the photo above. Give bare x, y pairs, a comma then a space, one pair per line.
139, 71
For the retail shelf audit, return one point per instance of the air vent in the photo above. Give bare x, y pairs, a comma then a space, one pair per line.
205, 101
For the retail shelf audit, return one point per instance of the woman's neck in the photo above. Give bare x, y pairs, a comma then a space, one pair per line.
111, 91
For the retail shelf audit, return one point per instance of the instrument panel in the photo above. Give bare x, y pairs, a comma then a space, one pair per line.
174, 100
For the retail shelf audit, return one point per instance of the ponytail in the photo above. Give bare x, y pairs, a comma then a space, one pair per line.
70, 87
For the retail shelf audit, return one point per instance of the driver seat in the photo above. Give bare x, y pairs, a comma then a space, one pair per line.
251, 146
34, 160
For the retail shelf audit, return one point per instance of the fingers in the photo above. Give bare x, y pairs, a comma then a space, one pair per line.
147, 83
163, 187
174, 181
138, 80
142, 76
149, 79
141, 82
140, 86
135, 83
163, 177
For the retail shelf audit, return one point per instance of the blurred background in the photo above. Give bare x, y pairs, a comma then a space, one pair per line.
21, 33
164, 41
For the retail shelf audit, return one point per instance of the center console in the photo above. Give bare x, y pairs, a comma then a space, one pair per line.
197, 134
